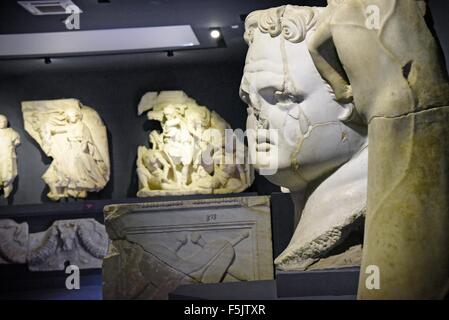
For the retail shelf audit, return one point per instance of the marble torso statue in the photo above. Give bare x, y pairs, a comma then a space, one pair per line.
401, 93
9, 140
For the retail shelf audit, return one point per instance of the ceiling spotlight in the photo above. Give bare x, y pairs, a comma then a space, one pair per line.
215, 34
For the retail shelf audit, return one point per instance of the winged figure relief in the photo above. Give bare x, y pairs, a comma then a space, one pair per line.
74, 136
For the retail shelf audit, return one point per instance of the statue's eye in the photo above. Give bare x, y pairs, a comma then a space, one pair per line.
285, 97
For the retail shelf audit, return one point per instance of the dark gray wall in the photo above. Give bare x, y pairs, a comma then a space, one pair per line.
113, 85
115, 95
440, 15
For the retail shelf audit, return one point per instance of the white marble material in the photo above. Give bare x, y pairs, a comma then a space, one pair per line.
81, 242
75, 137
320, 159
9, 140
159, 246
384, 57
14, 239
189, 156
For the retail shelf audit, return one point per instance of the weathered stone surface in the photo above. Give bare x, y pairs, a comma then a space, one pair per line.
82, 242
399, 85
317, 156
159, 246
75, 137
350, 258
331, 212
13, 242
407, 230
191, 155
9, 140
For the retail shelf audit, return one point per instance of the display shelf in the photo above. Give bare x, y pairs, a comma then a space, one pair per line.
40, 216
316, 283
84, 293
77, 207
252, 290
334, 284
19, 283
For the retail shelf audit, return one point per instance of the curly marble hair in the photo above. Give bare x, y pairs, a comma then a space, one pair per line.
292, 22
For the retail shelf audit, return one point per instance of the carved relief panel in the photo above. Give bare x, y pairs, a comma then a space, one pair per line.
159, 246
81, 242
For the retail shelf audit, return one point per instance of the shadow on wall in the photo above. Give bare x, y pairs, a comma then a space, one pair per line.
439, 24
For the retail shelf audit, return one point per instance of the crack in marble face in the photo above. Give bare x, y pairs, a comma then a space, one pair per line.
286, 95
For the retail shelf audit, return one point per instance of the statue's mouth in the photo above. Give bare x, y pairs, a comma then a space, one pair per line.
263, 147
266, 140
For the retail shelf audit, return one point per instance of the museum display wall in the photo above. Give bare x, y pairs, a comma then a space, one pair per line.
113, 86
115, 95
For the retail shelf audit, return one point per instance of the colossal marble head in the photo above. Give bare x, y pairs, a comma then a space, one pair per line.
3, 122
286, 94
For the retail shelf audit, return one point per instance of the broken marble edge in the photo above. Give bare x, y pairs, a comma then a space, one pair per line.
28, 251
12, 252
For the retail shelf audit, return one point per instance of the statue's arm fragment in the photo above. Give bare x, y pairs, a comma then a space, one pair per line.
16, 139
322, 37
